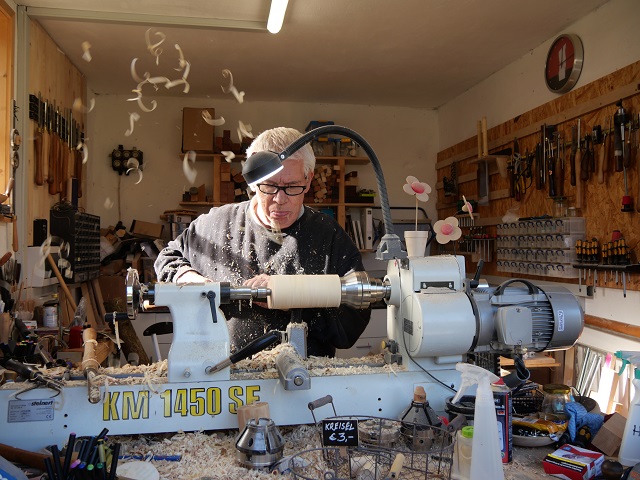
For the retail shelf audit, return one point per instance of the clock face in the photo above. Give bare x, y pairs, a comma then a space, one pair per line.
564, 63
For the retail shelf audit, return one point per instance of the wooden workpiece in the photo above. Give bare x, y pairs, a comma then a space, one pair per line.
593, 104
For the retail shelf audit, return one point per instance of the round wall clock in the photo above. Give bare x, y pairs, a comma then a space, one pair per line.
564, 63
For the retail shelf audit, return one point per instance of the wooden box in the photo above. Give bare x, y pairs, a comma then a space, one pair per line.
197, 135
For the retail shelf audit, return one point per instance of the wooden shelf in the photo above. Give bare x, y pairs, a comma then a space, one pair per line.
539, 360
340, 167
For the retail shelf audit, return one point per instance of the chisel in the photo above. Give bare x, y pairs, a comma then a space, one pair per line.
572, 155
602, 157
539, 167
576, 170
559, 171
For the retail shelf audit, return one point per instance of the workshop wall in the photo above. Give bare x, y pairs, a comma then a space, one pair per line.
59, 82
610, 37
403, 138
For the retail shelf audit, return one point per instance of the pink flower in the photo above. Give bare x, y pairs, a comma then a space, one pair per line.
467, 207
447, 230
414, 187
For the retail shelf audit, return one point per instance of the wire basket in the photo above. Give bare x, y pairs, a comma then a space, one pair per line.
528, 400
387, 449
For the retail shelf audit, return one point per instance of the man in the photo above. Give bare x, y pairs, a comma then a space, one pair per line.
272, 234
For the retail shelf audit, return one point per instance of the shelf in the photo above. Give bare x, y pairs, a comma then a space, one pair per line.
208, 157
199, 204
539, 360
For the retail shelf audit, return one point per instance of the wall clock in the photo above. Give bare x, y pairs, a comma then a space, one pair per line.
564, 63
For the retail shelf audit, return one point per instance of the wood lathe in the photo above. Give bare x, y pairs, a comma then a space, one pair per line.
435, 316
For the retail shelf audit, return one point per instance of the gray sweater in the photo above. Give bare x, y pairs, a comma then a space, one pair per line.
229, 245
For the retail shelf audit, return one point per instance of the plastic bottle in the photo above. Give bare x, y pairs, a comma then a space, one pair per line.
630, 447
462, 453
486, 461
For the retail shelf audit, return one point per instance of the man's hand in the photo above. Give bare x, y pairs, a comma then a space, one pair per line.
191, 276
259, 281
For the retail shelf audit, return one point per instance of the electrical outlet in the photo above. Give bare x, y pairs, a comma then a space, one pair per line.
121, 159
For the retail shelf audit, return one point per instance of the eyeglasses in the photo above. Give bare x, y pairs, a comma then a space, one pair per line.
290, 190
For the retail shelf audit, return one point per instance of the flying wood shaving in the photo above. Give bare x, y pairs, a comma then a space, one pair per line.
86, 54
181, 61
85, 152
79, 107
134, 74
134, 165
189, 172
216, 122
181, 81
138, 99
228, 155
231, 88
108, 203
244, 130
154, 48
133, 117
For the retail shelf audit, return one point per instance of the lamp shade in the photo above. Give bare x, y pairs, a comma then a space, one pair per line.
260, 166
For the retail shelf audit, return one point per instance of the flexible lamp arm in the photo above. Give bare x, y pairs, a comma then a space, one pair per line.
390, 246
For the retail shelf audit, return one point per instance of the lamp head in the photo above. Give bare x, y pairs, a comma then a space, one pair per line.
260, 166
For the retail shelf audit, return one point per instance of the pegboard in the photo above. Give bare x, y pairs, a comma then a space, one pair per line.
594, 104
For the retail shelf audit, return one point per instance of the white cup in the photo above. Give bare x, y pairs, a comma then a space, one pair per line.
416, 242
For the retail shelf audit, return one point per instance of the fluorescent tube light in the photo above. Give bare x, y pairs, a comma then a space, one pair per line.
276, 15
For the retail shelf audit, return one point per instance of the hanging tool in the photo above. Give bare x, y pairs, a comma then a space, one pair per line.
572, 156
551, 166
602, 151
587, 159
513, 168
576, 169
622, 152
539, 167
559, 171
37, 139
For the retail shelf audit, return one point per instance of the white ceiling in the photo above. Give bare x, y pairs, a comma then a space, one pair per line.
416, 53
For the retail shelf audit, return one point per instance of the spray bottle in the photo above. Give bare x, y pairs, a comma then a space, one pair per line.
486, 461
630, 447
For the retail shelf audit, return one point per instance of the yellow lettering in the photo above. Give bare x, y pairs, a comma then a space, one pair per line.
197, 403
214, 403
181, 402
135, 405
234, 396
166, 397
252, 396
109, 410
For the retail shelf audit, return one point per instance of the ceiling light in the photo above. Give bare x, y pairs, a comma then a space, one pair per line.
276, 15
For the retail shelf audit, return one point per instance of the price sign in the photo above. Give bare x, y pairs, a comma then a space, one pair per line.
340, 433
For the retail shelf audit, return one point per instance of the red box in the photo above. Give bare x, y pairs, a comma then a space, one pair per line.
573, 463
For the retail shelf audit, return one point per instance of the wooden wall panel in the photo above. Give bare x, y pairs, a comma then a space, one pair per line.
594, 104
51, 74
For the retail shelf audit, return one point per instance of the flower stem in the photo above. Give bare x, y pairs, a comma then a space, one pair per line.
416, 213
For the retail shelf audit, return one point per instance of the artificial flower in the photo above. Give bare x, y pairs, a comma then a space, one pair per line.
447, 230
467, 207
415, 187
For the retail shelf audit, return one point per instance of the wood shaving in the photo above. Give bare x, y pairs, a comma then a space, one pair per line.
213, 455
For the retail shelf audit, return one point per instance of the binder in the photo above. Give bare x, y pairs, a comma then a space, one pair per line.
367, 228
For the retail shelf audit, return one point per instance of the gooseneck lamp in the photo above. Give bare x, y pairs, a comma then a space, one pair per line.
262, 165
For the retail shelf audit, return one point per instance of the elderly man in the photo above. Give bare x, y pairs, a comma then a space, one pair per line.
272, 234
